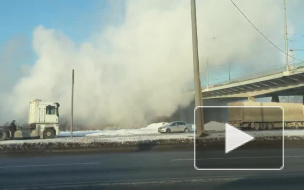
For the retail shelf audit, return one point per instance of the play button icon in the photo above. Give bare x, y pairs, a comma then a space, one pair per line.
228, 147
235, 138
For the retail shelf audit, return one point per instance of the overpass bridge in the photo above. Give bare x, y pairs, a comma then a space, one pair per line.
273, 84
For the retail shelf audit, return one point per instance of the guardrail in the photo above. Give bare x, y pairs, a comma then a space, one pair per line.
256, 75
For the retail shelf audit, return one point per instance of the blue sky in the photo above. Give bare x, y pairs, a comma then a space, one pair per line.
75, 18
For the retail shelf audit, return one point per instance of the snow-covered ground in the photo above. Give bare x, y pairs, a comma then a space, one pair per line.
93, 139
215, 130
150, 137
148, 130
215, 126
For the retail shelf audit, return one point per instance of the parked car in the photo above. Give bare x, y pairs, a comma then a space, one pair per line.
176, 126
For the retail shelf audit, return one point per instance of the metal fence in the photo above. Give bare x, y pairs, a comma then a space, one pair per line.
275, 70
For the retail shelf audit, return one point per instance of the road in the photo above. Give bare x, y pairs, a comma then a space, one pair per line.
170, 169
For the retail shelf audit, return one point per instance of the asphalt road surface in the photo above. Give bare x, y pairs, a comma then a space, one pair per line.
170, 169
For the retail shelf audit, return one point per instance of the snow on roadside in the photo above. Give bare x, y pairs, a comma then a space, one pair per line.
215, 130
91, 139
211, 127
77, 133
123, 138
150, 129
215, 126
149, 137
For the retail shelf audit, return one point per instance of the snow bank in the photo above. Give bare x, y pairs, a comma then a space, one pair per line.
136, 137
215, 126
211, 127
135, 141
88, 143
77, 133
157, 136
89, 139
155, 126
150, 129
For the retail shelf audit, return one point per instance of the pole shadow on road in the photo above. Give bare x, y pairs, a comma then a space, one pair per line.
273, 182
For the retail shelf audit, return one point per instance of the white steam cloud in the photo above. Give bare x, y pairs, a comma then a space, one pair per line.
142, 69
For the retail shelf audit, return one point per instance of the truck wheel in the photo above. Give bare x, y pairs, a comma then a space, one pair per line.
296, 125
256, 126
269, 127
263, 126
48, 134
3, 135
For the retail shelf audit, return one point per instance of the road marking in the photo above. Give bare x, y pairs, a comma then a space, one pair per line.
128, 182
148, 181
49, 165
234, 158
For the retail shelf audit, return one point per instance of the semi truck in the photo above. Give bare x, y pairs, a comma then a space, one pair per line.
43, 122
263, 117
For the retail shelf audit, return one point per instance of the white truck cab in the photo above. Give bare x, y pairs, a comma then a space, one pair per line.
44, 117
43, 122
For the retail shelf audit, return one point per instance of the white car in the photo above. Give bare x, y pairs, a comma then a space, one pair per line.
176, 126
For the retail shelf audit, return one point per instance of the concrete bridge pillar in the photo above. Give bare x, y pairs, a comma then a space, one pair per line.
275, 98
251, 99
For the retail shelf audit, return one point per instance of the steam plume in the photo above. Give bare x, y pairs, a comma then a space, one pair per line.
142, 69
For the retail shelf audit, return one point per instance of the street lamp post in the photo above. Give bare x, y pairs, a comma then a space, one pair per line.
293, 56
229, 72
72, 105
286, 39
199, 123
207, 74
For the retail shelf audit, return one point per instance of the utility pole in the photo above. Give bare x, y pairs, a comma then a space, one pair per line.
207, 74
294, 60
72, 104
229, 72
199, 123
293, 56
286, 38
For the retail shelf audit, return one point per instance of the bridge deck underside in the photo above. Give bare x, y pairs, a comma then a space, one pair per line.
275, 85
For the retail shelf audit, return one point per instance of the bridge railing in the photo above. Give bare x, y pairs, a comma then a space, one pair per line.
255, 75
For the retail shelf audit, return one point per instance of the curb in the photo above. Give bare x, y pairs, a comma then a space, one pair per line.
142, 145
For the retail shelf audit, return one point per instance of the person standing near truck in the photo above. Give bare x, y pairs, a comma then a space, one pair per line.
13, 129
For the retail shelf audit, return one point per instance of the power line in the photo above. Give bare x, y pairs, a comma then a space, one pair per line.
262, 33
296, 39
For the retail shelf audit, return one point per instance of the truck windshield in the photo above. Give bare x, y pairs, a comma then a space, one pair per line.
50, 110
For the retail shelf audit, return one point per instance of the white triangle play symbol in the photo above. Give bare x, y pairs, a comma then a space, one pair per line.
235, 138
